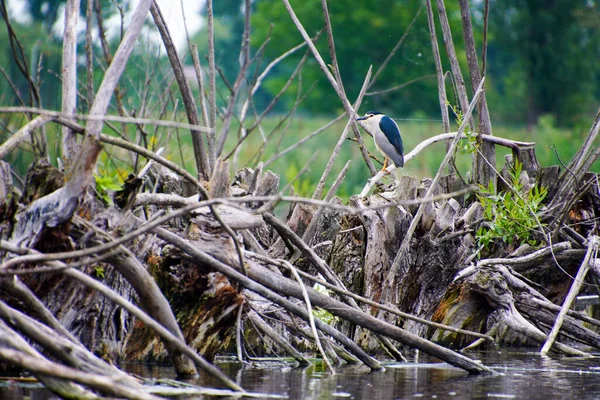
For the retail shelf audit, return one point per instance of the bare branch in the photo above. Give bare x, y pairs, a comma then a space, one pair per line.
482, 172
200, 80
394, 50
252, 284
398, 87
245, 63
454, 65
592, 251
303, 140
401, 256
22, 134
513, 144
85, 117
39, 365
350, 111
276, 337
203, 164
89, 52
141, 315
212, 80
321, 185
69, 77
443, 99
391, 310
311, 318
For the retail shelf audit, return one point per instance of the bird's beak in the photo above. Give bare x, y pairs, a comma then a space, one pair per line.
361, 118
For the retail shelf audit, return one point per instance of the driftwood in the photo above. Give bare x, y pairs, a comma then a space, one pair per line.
445, 238
210, 264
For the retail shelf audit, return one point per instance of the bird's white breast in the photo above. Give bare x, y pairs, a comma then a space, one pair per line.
372, 125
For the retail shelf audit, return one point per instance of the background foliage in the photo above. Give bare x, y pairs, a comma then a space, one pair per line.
543, 79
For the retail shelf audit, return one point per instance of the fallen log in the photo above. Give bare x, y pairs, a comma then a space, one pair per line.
258, 274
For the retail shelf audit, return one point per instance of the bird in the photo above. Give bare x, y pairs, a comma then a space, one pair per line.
386, 135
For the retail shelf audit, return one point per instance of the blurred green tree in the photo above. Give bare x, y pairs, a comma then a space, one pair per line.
365, 34
544, 55
45, 11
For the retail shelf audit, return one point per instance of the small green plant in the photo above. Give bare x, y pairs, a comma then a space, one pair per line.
107, 179
321, 313
511, 216
99, 272
469, 145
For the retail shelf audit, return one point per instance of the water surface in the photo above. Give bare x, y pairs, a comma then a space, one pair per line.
522, 375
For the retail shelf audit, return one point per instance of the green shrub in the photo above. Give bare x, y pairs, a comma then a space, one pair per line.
511, 217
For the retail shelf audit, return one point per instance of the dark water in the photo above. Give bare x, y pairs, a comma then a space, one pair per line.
523, 375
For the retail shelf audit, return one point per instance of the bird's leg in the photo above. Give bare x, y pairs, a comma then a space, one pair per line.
385, 162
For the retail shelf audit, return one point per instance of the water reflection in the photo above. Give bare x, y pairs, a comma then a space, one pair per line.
523, 375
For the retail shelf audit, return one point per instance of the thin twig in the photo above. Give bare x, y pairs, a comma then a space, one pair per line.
398, 87
321, 185
401, 256
276, 337
438, 138
238, 334
454, 64
212, 82
255, 87
443, 99
105, 117
350, 111
200, 80
39, 365
161, 331
311, 318
393, 52
22, 134
303, 140
391, 310
245, 63
573, 292
89, 52
37, 258
203, 164
312, 226
260, 289
176, 200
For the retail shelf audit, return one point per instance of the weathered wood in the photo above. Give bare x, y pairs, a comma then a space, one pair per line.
200, 155
346, 257
69, 77
484, 160
267, 330
159, 329
494, 284
204, 302
263, 291
15, 288
58, 207
62, 348
530, 307
219, 181
23, 134
14, 347
235, 218
436, 279
148, 292
283, 285
573, 292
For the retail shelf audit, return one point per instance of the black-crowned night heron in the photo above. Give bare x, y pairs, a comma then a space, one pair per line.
386, 136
